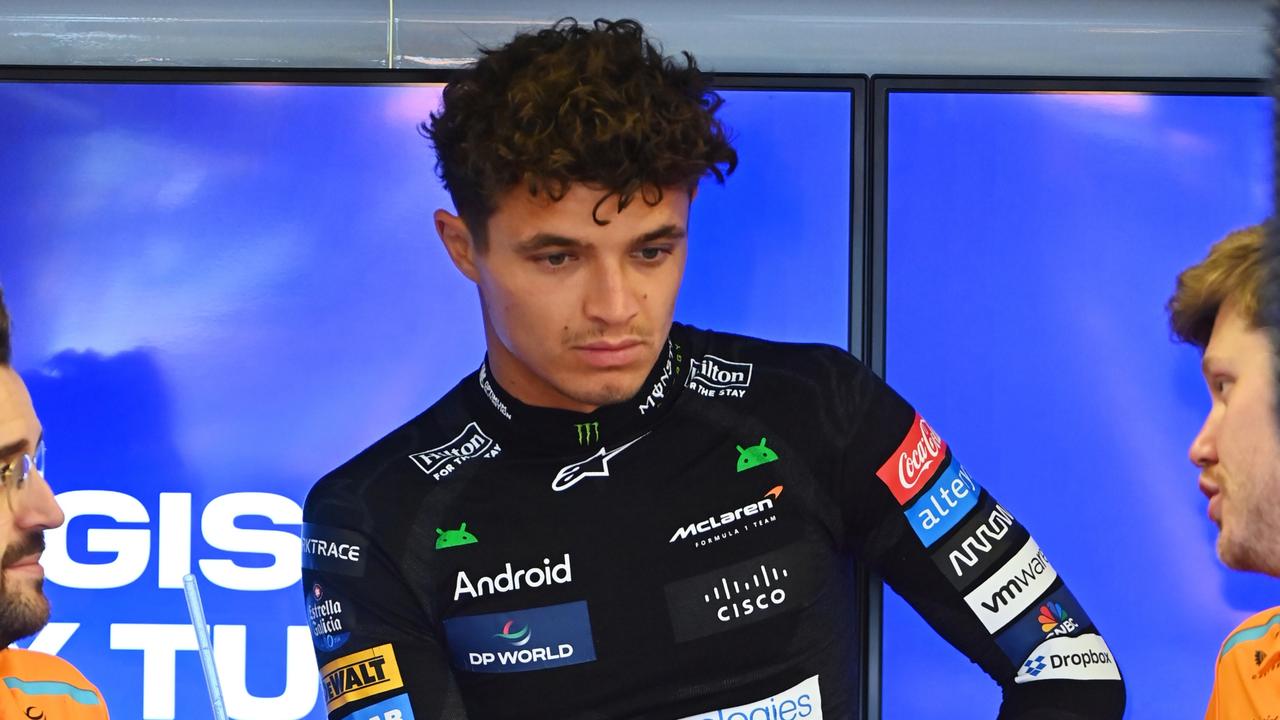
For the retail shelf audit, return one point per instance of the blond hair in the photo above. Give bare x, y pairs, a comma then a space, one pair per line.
1231, 271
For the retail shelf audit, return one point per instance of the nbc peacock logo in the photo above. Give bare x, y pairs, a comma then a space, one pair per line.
518, 638
1054, 620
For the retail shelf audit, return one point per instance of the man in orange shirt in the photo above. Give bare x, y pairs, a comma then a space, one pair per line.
1217, 308
32, 685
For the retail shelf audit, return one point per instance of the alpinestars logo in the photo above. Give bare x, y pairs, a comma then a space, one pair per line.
470, 444
712, 376
595, 466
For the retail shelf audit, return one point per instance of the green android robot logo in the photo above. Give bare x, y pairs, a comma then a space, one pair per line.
755, 456
454, 538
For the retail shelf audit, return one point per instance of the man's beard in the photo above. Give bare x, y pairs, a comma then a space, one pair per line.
22, 612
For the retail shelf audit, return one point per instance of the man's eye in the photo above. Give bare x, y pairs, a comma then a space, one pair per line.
652, 253
557, 259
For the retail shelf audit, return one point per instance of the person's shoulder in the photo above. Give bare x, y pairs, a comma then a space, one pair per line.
29, 666
1259, 632
739, 358
390, 461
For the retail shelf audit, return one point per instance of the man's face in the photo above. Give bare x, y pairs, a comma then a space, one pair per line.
576, 313
1238, 449
25, 513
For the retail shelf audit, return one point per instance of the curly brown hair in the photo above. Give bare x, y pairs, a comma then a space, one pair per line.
1233, 270
599, 105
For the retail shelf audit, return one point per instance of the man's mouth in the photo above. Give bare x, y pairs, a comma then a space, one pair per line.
610, 353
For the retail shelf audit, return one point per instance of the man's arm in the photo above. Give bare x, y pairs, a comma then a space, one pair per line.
377, 649
964, 562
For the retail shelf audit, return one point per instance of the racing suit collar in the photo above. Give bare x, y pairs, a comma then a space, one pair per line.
557, 431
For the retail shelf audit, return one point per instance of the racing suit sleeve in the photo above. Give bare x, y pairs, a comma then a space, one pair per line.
377, 650
913, 512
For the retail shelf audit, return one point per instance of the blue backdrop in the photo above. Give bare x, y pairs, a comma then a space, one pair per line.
220, 292
1032, 242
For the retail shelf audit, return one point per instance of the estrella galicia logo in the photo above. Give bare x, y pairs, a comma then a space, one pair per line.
712, 376
470, 444
505, 642
329, 618
595, 466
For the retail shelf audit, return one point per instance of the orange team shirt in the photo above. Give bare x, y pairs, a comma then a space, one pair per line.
1247, 682
46, 687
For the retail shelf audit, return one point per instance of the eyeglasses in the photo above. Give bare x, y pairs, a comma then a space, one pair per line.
16, 474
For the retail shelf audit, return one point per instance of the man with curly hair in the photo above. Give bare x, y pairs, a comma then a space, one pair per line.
1218, 307
620, 516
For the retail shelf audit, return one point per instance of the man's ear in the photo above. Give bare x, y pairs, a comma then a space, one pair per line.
458, 243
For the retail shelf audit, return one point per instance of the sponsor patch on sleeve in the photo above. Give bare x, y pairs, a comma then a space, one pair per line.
1086, 657
948, 501
521, 640
1058, 615
396, 708
360, 675
917, 459
470, 444
801, 702
333, 550
986, 537
330, 618
1012, 588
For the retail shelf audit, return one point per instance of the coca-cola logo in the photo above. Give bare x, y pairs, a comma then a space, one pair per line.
920, 460
917, 458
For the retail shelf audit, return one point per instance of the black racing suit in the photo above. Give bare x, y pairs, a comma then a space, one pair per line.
688, 553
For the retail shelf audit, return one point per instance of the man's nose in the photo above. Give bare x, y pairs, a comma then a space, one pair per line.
1204, 449
610, 299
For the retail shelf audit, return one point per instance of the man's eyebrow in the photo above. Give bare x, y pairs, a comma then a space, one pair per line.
13, 448
666, 232
543, 240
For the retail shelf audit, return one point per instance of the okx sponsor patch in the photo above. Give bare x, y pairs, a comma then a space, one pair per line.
360, 675
1012, 588
1086, 657
914, 463
987, 535
521, 640
396, 708
945, 504
1058, 615
801, 702
333, 550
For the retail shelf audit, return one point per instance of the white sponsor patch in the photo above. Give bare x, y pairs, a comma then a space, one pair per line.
804, 701
1013, 588
1085, 657
471, 443
714, 376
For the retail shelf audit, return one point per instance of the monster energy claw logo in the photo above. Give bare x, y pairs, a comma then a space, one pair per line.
588, 433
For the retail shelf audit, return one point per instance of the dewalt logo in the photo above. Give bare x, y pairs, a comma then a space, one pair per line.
360, 675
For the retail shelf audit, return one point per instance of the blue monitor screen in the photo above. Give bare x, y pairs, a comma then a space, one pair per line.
222, 291
1032, 241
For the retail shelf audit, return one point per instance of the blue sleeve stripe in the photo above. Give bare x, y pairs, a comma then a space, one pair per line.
1248, 634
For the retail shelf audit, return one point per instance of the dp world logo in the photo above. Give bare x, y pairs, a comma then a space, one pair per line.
518, 638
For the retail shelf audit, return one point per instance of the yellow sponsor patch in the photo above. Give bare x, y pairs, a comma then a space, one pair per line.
360, 675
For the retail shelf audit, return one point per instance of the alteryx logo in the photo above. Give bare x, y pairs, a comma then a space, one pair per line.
533, 639
948, 501
801, 702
